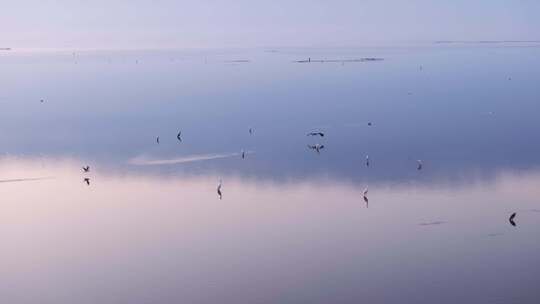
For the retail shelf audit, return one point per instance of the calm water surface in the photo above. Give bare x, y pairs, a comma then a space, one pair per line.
292, 226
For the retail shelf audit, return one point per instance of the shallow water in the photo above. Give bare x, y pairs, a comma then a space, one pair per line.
292, 225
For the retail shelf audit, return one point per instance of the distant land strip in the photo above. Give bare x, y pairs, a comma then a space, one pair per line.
485, 41
339, 60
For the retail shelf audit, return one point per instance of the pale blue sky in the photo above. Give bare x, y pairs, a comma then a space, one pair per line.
249, 23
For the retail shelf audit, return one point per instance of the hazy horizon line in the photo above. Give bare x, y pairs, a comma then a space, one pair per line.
367, 44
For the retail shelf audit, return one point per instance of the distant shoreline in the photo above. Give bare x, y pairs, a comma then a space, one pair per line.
485, 41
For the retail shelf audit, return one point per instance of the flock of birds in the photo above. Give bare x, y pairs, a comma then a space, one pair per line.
319, 147
316, 147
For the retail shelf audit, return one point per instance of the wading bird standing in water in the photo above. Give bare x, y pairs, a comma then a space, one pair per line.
511, 219
219, 190
316, 147
86, 169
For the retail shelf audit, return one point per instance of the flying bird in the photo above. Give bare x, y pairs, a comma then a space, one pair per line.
367, 160
316, 147
511, 219
86, 169
41, 101
87, 181
157, 139
251, 131
243, 154
365, 197
321, 134
179, 136
219, 190
419, 165
369, 124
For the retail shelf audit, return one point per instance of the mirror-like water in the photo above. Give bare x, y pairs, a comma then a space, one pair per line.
292, 226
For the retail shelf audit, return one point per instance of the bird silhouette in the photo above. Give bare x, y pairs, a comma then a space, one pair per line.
87, 181
367, 160
369, 124
364, 194
321, 134
420, 164
179, 136
251, 131
219, 190
243, 154
157, 140
86, 169
316, 147
511, 219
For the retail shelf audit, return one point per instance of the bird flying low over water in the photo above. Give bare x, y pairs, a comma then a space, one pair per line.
178, 136
511, 219
87, 181
86, 169
420, 164
364, 194
219, 190
316, 147
318, 133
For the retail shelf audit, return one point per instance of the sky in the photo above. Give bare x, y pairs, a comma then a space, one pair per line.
248, 23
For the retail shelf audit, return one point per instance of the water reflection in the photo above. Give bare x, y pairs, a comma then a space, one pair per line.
144, 161
139, 237
146, 224
464, 116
